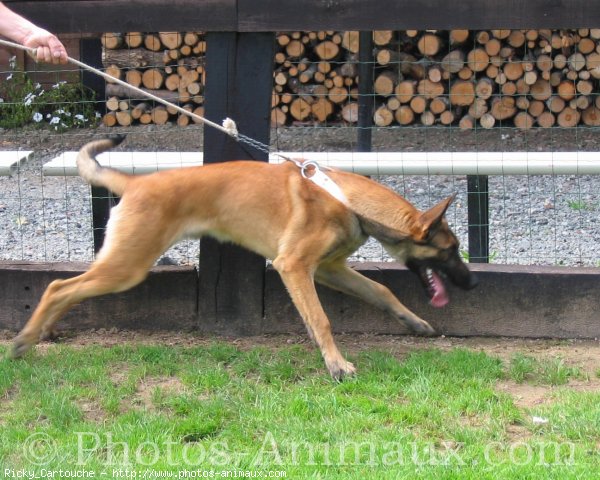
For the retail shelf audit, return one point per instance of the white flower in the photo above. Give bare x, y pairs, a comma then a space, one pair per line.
37, 117
54, 120
29, 98
9, 77
12, 62
98, 115
1, 100
80, 117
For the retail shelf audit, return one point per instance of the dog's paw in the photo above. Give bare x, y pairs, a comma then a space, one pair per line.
340, 369
50, 335
420, 327
21, 345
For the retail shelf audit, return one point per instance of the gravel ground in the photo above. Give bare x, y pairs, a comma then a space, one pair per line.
534, 220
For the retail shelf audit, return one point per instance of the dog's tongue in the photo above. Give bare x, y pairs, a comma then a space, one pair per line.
440, 297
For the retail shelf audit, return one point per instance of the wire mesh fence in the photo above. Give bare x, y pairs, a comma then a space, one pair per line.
505, 96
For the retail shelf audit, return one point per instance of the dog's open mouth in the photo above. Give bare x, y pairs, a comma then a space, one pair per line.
438, 297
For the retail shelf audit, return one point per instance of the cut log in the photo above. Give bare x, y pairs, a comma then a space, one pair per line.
109, 119
536, 108
566, 90
152, 42
405, 90
171, 40
453, 62
427, 118
513, 70
458, 37
447, 117
133, 77
541, 90
418, 104
462, 93
555, 104
568, 117
429, 89
382, 37
123, 118
139, 110
478, 108
300, 109
153, 78
503, 108
112, 104
322, 109
327, 50
383, 116
439, 105
404, 115
122, 91
467, 123
591, 116
478, 60
113, 71
350, 41
429, 44
385, 83
134, 39
159, 115
546, 120
278, 117
133, 58
484, 88
523, 121
350, 112
111, 40
487, 121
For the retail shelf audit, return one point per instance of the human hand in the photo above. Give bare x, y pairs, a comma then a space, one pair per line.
48, 47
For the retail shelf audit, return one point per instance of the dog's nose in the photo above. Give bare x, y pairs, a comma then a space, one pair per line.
473, 282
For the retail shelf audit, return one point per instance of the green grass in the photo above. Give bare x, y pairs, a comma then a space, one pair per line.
551, 371
432, 414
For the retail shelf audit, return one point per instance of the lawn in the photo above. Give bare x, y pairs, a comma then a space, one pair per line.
434, 410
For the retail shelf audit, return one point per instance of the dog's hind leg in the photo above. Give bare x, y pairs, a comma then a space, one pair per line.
128, 254
298, 278
342, 278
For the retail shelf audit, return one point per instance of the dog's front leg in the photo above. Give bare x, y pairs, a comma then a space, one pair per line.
342, 278
300, 285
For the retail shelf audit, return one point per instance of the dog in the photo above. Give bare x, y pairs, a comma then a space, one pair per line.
275, 211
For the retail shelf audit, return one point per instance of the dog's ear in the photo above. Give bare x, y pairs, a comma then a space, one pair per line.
431, 218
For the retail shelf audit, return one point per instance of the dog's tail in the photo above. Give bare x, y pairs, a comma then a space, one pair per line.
95, 174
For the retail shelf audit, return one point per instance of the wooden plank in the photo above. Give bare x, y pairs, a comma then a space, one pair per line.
231, 288
272, 15
511, 300
83, 16
11, 159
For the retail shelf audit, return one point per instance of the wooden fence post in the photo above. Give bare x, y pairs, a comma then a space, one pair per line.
238, 86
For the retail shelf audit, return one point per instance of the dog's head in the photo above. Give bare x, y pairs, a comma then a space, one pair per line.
432, 252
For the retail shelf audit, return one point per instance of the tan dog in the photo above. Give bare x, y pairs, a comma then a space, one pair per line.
269, 209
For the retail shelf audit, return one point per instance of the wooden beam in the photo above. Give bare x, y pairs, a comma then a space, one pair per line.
231, 288
63, 16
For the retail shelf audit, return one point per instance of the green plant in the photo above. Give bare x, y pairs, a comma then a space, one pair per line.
580, 205
61, 107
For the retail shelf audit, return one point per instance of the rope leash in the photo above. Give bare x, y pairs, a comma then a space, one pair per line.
228, 127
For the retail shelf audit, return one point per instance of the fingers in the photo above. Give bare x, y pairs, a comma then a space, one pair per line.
48, 47
57, 50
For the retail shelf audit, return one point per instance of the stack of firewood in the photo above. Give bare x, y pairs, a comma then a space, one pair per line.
468, 78
168, 64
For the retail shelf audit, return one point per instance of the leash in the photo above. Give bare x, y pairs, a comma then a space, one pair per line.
309, 169
228, 126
